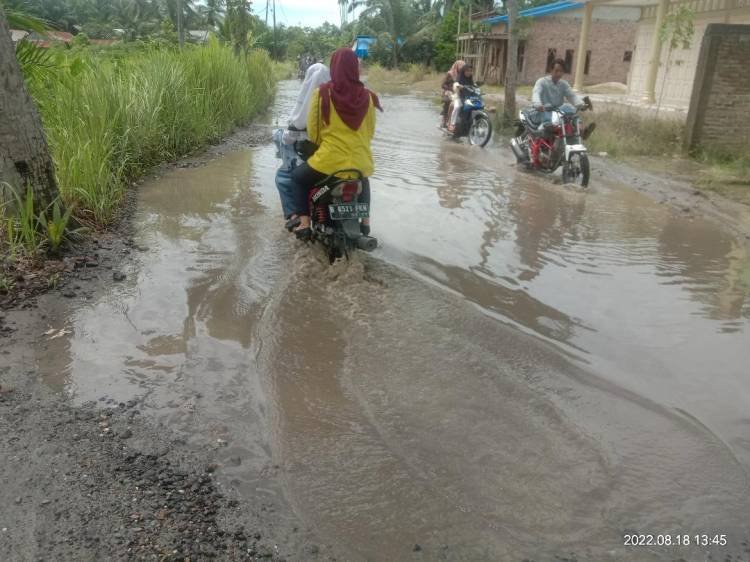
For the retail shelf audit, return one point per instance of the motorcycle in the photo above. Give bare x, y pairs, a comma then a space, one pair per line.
547, 145
336, 211
473, 121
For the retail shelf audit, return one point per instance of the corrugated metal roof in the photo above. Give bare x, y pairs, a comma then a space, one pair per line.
537, 11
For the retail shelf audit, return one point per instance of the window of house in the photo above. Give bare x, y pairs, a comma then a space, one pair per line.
587, 66
521, 53
568, 60
551, 56
628, 56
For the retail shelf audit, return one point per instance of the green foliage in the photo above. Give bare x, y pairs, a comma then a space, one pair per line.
80, 40
445, 42
238, 22
110, 118
55, 227
26, 233
21, 224
6, 283
678, 28
36, 63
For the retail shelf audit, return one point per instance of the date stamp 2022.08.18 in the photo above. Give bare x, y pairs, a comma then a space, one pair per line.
674, 539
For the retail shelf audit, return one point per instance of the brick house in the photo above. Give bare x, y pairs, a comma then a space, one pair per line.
656, 73
553, 32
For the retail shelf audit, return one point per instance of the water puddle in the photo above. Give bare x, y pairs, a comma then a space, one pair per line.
520, 371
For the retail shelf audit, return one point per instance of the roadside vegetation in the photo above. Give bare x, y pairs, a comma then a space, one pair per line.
108, 121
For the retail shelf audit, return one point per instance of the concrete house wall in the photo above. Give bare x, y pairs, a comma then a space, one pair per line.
677, 88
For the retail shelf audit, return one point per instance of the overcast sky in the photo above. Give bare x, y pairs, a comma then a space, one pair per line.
300, 12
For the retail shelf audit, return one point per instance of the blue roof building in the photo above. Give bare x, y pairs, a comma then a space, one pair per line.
555, 32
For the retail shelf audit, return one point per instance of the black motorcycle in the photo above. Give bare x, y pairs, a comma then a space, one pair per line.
336, 213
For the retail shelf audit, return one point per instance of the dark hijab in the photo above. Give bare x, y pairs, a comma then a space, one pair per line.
463, 79
350, 97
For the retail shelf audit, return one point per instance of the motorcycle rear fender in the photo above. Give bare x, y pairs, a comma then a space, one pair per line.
479, 113
571, 149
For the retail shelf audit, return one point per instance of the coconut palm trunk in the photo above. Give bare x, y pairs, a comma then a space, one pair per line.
24, 154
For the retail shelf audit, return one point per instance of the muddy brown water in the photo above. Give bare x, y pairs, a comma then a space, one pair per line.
520, 371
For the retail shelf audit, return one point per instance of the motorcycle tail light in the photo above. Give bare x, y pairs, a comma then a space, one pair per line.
568, 129
349, 191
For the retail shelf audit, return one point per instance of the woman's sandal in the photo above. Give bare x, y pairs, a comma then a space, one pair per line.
292, 223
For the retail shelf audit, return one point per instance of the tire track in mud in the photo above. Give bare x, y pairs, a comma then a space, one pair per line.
405, 416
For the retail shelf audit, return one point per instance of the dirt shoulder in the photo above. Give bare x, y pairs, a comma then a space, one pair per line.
675, 185
101, 481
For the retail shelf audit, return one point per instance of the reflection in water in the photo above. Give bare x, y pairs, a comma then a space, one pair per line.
711, 264
403, 412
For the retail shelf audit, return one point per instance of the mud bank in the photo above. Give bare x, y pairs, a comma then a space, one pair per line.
99, 480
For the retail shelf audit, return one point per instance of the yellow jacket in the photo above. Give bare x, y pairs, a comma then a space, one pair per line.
339, 147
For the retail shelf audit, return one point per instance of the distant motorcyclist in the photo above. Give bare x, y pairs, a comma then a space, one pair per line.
447, 90
465, 78
552, 90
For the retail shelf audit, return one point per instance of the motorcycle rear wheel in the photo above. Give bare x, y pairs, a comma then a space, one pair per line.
577, 172
480, 131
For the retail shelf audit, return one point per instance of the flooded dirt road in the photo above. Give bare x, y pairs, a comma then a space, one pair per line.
521, 371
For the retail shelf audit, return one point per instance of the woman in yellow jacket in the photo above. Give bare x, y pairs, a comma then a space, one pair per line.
342, 123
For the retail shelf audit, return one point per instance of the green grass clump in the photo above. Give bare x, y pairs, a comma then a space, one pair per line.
625, 132
109, 119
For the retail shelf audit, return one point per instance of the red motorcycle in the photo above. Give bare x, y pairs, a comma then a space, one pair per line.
546, 140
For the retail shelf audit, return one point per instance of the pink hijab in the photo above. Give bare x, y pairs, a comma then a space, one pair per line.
456, 68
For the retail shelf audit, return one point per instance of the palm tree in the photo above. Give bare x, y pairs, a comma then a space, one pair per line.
212, 12
393, 13
25, 158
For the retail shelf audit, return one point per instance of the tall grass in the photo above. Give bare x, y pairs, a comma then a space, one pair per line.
628, 132
110, 119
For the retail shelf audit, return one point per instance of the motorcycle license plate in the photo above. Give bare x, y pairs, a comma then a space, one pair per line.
343, 211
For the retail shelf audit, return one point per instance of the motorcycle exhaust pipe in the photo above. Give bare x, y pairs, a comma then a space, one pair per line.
367, 243
518, 151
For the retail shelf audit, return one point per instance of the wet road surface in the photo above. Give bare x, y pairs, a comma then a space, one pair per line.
520, 371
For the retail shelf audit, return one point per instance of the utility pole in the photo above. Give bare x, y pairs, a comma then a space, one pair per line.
180, 30
458, 33
274, 29
266, 13
511, 65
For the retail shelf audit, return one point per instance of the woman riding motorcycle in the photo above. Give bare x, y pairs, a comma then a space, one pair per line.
293, 144
447, 90
465, 78
341, 122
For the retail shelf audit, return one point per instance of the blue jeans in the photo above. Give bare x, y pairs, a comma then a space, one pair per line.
287, 190
284, 183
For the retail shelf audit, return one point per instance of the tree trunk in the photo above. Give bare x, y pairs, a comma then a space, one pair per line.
180, 24
511, 65
24, 154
